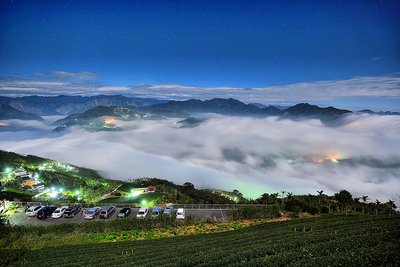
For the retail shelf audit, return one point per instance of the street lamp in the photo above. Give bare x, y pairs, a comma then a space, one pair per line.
143, 202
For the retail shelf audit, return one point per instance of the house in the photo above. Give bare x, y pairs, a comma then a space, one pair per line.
27, 181
20, 172
151, 189
38, 186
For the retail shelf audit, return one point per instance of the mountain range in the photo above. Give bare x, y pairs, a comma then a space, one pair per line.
103, 118
8, 113
67, 105
83, 110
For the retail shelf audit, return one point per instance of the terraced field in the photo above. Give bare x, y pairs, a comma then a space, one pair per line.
315, 241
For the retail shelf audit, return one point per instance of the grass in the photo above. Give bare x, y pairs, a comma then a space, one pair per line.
311, 241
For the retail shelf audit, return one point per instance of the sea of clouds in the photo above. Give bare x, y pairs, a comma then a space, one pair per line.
359, 152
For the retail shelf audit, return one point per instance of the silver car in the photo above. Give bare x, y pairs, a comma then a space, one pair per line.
90, 214
58, 213
32, 211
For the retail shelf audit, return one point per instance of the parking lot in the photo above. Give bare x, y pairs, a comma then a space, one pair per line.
20, 218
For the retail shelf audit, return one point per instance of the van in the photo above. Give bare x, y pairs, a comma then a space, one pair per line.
106, 212
43, 213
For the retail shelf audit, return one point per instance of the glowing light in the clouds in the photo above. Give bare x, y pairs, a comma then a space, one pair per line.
110, 121
334, 158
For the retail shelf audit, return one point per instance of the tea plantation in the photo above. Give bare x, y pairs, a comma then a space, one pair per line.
357, 240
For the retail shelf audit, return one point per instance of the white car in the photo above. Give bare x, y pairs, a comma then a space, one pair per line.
142, 213
32, 211
180, 214
58, 213
90, 214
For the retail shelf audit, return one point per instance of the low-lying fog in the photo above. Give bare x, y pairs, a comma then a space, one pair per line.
359, 153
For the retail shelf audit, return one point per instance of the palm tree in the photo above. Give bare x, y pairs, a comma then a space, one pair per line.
283, 193
364, 199
274, 196
308, 199
377, 206
319, 196
392, 206
356, 202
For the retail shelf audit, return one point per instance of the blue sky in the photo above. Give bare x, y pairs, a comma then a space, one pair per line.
121, 46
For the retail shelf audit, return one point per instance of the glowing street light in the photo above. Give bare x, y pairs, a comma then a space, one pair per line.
52, 189
77, 193
60, 190
143, 202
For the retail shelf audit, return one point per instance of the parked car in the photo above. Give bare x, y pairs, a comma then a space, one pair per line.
59, 212
156, 212
106, 212
169, 211
180, 214
90, 214
142, 213
44, 212
32, 211
124, 212
71, 211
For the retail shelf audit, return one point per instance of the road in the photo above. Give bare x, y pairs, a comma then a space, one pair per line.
20, 218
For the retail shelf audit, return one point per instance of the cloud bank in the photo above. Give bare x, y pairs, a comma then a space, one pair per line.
360, 153
87, 84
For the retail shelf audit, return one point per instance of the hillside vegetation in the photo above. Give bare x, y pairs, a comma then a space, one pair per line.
357, 240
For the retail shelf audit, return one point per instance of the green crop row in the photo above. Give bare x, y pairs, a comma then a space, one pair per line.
314, 241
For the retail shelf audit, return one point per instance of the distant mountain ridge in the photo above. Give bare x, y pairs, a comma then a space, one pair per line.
235, 107
89, 117
368, 111
217, 105
7, 113
66, 105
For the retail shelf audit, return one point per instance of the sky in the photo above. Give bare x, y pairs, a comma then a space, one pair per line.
329, 53
343, 53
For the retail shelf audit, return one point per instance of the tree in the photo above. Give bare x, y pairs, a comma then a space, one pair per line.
356, 202
378, 203
319, 196
283, 193
391, 205
364, 199
188, 187
274, 197
308, 199
263, 199
344, 198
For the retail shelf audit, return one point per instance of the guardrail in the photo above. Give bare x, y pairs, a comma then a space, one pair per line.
137, 205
